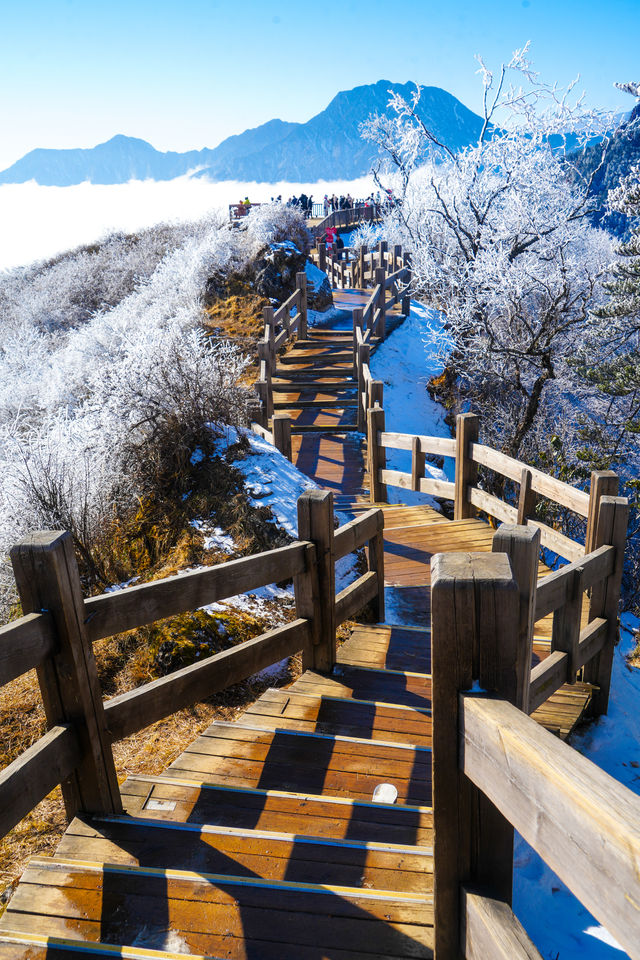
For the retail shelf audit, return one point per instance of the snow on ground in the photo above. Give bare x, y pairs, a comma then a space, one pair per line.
404, 366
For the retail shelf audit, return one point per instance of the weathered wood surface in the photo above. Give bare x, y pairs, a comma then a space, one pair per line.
24, 644
490, 929
579, 819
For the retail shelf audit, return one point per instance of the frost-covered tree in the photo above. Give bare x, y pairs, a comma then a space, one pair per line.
501, 244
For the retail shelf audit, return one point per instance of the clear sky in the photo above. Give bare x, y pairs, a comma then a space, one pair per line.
187, 73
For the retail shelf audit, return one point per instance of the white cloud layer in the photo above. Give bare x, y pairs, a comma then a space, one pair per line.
39, 222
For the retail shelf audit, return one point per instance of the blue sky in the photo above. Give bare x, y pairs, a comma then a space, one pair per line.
186, 74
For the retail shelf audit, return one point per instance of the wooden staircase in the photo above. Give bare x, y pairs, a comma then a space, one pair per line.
314, 383
262, 839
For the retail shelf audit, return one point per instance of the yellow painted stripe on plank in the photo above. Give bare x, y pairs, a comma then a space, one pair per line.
88, 946
95, 866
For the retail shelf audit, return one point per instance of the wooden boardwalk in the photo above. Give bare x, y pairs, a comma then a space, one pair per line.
263, 839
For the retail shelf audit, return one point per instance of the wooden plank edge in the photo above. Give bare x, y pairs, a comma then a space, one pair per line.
490, 929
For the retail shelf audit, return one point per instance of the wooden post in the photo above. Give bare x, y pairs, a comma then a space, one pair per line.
522, 546
467, 427
474, 630
322, 257
380, 278
316, 591
47, 578
255, 412
376, 458
375, 551
417, 463
397, 254
264, 355
604, 483
526, 498
406, 305
357, 325
282, 433
361, 268
265, 396
364, 351
613, 517
376, 393
301, 284
382, 249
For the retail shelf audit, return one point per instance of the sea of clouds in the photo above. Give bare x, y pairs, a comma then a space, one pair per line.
37, 222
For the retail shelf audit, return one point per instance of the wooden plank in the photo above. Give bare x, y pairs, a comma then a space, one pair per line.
581, 821
272, 856
592, 640
112, 613
547, 677
353, 598
551, 592
490, 929
138, 708
34, 774
350, 536
24, 644
428, 485
542, 483
557, 542
276, 810
492, 505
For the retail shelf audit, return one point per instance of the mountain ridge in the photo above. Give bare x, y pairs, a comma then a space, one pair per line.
328, 146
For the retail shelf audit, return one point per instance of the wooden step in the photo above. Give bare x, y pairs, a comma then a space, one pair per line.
312, 404
238, 754
312, 359
364, 719
383, 686
239, 852
388, 647
306, 386
37, 946
308, 371
180, 800
324, 428
212, 915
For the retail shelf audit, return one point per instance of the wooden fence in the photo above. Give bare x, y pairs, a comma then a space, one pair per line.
496, 770
590, 581
349, 217
56, 635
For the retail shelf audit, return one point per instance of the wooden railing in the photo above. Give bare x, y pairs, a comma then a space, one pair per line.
280, 328
347, 218
585, 590
348, 270
496, 770
57, 632
388, 273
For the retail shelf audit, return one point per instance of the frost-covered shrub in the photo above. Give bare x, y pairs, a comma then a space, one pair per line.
365, 236
277, 222
84, 404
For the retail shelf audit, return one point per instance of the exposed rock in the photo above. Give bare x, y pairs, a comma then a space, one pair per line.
319, 293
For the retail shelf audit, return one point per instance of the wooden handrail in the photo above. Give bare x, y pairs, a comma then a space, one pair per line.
132, 711
136, 606
552, 591
24, 644
357, 532
581, 821
35, 773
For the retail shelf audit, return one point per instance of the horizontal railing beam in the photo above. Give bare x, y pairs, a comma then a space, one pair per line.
35, 773
438, 446
490, 929
354, 597
130, 712
582, 822
428, 485
112, 613
357, 532
547, 486
552, 590
24, 644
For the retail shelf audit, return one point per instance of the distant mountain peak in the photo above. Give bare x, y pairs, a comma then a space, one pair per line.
328, 146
